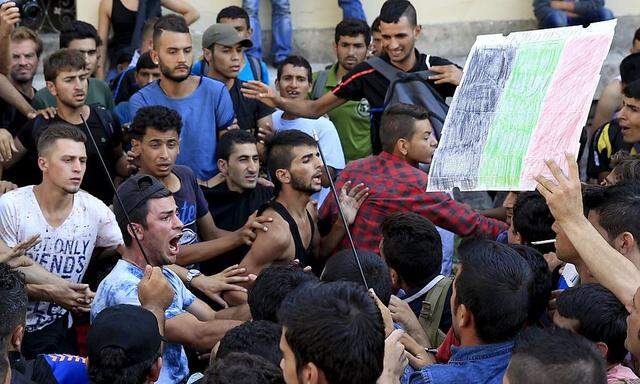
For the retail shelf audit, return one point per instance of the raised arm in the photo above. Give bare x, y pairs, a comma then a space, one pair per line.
608, 266
104, 25
187, 330
188, 11
11, 95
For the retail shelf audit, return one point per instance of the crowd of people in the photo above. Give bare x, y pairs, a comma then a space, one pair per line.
187, 223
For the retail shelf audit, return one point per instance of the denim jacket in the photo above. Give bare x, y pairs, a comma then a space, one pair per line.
478, 364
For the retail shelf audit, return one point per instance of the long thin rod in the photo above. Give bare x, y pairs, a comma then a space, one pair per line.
344, 220
113, 186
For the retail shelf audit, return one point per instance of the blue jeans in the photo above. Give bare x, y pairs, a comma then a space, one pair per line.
352, 9
551, 18
280, 28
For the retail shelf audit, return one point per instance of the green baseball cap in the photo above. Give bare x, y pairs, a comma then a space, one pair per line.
223, 34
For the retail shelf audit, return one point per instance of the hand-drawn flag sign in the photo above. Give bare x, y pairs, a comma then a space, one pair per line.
524, 98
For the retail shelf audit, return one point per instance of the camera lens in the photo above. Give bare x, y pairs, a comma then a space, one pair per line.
30, 10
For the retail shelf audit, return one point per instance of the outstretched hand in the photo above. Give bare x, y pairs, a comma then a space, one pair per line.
351, 199
19, 250
260, 91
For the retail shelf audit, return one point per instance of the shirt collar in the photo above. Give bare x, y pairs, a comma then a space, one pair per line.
332, 79
480, 352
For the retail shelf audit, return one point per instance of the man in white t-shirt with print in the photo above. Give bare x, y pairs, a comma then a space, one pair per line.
294, 82
71, 224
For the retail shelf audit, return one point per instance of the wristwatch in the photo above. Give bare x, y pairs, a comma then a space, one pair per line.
192, 274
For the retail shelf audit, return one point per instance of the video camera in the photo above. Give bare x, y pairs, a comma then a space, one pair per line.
29, 9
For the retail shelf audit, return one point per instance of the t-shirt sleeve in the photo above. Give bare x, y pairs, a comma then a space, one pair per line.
8, 220
331, 146
263, 110
224, 109
109, 234
181, 290
136, 102
353, 83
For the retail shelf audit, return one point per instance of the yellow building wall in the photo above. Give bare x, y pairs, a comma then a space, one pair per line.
320, 14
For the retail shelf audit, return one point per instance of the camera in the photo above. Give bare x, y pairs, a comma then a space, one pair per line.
29, 9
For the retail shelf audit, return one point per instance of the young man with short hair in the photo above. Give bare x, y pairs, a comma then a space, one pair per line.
258, 337
71, 223
351, 119
223, 49
238, 195
489, 307
66, 76
531, 222
189, 321
311, 327
253, 67
155, 135
554, 355
594, 312
83, 37
397, 184
294, 81
400, 31
203, 103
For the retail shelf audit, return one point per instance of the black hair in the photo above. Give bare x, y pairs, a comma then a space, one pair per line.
343, 267
110, 366
234, 12
58, 131
630, 68
375, 26
393, 10
271, 287
13, 306
632, 90
243, 368
259, 337
554, 356
158, 117
148, 26
541, 287
636, 35
78, 30
337, 327
279, 154
532, 220
63, 60
145, 62
137, 215
171, 23
494, 285
412, 247
399, 122
353, 28
626, 167
226, 143
601, 317
296, 61
618, 208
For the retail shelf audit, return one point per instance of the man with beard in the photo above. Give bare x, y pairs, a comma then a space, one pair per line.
351, 119
295, 166
71, 224
203, 103
67, 79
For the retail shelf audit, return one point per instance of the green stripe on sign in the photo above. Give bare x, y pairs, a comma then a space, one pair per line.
517, 113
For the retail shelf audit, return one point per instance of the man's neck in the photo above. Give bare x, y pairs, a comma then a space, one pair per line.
634, 257
218, 76
176, 89
51, 198
341, 71
26, 88
233, 186
295, 201
171, 181
133, 255
470, 339
408, 63
404, 158
71, 114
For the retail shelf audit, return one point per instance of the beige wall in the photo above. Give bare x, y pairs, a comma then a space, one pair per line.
317, 14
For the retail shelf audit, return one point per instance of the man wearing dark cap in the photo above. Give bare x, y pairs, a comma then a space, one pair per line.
157, 230
223, 49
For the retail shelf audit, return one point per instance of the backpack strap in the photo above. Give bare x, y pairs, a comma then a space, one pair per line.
203, 68
318, 86
387, 70
256, 68
432, 308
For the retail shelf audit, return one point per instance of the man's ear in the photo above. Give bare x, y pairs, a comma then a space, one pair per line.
154, 57
222, 167
43, 163
17, 336
625, 243
138, 231
283, 176
335, 47
465, 317
154, 373
603, 349
517, 238
394, 277
208, 55
402, 146
417, 30
311, 374
51, 86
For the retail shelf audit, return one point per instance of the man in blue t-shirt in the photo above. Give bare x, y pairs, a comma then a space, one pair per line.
203, 103
155, 135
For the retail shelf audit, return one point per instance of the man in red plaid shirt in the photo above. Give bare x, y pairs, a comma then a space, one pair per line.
397, 184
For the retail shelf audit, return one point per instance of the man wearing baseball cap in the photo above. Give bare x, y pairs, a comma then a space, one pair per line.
223, 49
153, 239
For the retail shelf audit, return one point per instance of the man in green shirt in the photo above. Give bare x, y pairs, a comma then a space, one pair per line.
83, 37
352, 38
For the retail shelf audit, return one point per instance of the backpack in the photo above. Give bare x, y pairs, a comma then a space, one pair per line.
254, 64
318, 86
411, 88
432, 308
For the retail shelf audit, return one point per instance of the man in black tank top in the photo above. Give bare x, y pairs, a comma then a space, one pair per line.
295, 167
